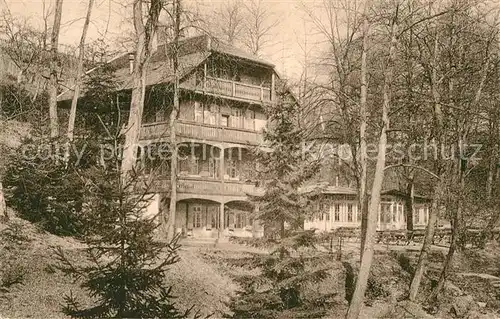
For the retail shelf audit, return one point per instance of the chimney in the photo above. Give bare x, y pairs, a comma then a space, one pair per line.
131, 62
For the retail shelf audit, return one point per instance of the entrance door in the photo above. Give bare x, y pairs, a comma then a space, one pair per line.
197, 216
212, 217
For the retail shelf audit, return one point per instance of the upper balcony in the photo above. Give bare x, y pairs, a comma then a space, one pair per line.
196, 130
237, 90
247, 83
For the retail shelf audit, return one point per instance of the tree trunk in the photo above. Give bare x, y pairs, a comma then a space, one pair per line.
173, 120
53, 85
429, 237
76, 93
439, 188
456, 227
371, 226
462, 167
362, 138
145, 33
410, 192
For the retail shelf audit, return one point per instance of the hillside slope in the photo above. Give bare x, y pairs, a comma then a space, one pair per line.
27, 252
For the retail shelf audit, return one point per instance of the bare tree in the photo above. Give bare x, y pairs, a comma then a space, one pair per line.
228, 21
363, 122
259, 27
24, 45
466, 121
53, 81
145, 31
371, 226
176, 17
439, 187
79, 73
341, 24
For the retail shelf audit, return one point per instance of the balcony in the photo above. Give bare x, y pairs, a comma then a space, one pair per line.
203, 186
237, 89
215, 187
201, 131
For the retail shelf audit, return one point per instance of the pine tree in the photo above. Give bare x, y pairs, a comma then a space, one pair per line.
285, 287
284, 169
295, 264
126, 264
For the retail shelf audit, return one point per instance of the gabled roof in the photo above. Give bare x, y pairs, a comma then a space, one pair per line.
398, 193
192, 52
325, 188
339, 190
225, 48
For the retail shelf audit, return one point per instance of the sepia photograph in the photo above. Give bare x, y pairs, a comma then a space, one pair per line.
248, 159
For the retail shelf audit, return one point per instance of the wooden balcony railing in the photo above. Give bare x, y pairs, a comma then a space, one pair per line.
190, 185
237, 89
215, 187
202, 131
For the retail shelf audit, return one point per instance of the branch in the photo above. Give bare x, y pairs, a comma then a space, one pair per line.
414, 166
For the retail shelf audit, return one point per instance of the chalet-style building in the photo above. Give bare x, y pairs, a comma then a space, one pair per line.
223, 91
223, 94
338, 207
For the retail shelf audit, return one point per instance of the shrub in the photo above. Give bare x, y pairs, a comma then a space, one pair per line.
286, 273
46, 190
375, 290
14, 233
20, 104
13, 275
404, 262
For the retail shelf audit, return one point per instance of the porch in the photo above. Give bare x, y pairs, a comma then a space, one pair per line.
202, 218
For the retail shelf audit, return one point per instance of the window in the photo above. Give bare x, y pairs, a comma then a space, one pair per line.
337, 212
213, 167
197, 216
151, 159
193, 166
400, 213
349, 212
426, 215
394, 213
209, 113
327, 216
239, 220
388, 216
212, 217
250, 120
232, 170
224, 120
198, 112
199, 77
236, 117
